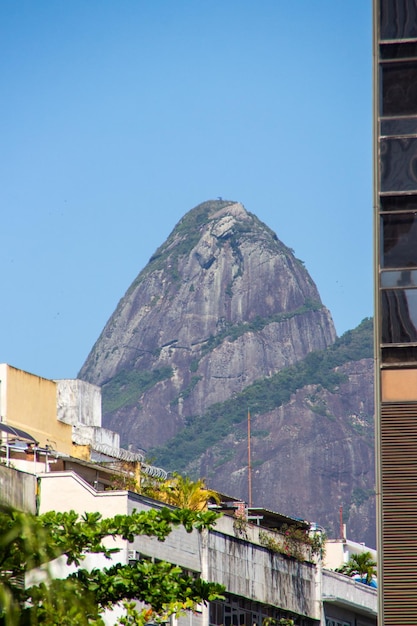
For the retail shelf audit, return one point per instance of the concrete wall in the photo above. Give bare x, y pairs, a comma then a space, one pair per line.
78, 402
17, 489
246, 568
253, 571
179, 547
63, 491
29, 403
242, 564
94, 434
348, 600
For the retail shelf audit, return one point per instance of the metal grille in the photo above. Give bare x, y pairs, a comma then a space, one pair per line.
398, 428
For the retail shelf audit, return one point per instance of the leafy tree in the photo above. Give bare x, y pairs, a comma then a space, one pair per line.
183, 492
361, 565
177, 490
29, 544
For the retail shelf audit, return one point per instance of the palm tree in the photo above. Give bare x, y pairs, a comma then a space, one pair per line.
361, 565
185, 493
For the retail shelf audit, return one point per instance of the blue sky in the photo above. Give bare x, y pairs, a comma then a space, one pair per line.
117, 117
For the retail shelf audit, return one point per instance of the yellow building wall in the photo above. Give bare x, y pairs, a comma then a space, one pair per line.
31, 404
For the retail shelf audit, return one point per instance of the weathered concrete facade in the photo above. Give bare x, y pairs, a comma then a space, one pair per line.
246, 568
252, 571
18, 489
259, 582
348, 601
79, 404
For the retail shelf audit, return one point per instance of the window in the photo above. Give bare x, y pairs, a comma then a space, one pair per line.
398, 164
399, 237
398, 19
399, 89
399, 203
399, 315
399, 356
336, 622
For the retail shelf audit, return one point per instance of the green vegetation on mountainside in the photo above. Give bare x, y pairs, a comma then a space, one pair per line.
181, 241
126, 388
187, 233
234, 331
318, 368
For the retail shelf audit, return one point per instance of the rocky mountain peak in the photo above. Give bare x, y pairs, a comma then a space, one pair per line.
224, 318
222, 302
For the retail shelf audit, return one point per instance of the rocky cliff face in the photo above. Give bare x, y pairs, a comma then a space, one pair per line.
311, 456
221, 309
222, 303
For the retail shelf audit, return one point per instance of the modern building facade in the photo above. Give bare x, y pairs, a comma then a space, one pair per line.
395, 209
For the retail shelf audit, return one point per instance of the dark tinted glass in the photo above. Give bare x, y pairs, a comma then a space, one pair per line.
399, 236
398, 164
399, 89
398, 19
400, 355
399, 203
398, 50
399, 126
399, 315
400, 278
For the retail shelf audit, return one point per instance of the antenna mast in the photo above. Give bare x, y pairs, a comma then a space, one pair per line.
249, 465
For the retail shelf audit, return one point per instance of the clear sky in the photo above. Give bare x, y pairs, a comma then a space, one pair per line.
117, 117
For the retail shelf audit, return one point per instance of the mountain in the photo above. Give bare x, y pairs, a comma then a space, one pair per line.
224, 319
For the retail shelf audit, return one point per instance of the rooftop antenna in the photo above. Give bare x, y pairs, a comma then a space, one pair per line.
249, 465
341, 528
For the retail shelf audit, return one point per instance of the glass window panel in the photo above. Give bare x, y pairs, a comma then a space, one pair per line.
401, 50
399, 236
398, 19
402, 278
399, 89
399, 355
399, 126
398, 164
399, 315
399, 203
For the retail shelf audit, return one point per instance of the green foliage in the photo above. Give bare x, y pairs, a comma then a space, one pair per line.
361, 495
260, 433
232, 332
187, 391
182, 240
270, 542
183, 492
318, 368
294, 541
28, 542
224, 458
127, 386
257, 463
362, 565
240, 527
194, 365
270, 621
